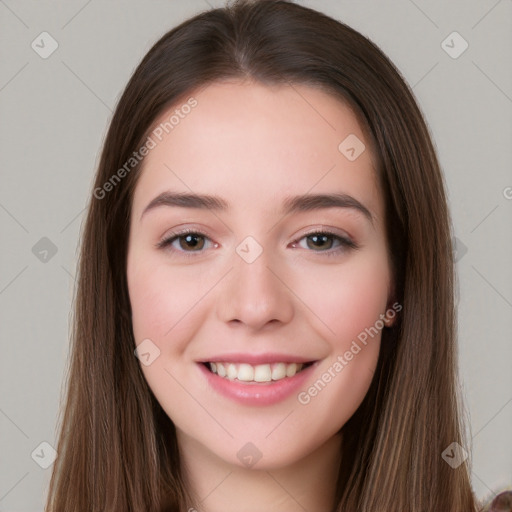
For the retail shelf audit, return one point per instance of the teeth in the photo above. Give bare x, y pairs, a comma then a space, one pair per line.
259, 373
262, 373
279, 371
231, 373
291, 370
245, 372
221, 370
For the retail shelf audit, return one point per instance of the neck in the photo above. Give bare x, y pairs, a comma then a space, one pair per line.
216, 485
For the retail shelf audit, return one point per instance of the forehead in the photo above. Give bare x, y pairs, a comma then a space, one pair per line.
246, 140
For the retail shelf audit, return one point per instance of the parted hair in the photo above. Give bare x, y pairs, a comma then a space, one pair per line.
117, 449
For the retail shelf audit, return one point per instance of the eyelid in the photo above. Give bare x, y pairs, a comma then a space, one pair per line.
346, 242
169, 238
328, 231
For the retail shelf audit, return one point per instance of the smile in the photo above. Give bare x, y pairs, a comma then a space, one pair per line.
244, 372
262, 384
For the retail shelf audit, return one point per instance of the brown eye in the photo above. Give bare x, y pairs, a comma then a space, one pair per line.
192, 241
320, 241
184, 242
325, 242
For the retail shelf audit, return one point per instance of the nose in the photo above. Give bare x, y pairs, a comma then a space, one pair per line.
255, 294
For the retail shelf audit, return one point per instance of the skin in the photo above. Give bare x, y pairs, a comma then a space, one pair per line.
254, 145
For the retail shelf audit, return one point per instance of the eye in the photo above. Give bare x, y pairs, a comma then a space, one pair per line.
188, 242
184, 241
324, 241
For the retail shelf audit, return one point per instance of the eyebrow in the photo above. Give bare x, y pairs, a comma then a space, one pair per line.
301, 203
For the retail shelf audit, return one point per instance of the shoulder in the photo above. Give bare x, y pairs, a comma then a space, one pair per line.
501, 502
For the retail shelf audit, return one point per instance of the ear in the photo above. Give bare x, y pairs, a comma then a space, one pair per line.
390, 319
391, 310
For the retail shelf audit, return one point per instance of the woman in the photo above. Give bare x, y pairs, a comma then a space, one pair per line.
265, 315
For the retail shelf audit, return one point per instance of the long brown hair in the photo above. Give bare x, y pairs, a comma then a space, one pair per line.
117, 449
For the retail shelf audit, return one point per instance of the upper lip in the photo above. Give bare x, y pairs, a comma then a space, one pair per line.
254, 359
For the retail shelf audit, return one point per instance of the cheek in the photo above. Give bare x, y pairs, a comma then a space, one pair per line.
349, 308
163, 311
160, 299
346, 300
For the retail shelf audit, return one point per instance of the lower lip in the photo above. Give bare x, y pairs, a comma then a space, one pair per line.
264, 393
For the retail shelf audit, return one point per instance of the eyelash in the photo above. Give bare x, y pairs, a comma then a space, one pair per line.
345, 243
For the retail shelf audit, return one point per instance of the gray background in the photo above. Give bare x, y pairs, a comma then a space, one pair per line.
54, 116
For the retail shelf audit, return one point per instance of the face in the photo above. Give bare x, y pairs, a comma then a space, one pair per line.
278, 294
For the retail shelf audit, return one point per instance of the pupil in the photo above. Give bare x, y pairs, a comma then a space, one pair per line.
319, 239
192, 241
